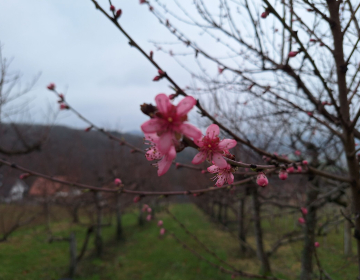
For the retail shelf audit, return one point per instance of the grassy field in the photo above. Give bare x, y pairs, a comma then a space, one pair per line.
145, 255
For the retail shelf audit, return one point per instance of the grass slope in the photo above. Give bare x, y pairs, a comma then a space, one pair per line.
145, 255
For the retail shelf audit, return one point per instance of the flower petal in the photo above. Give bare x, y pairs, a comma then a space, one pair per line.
212, 131
230, 178
165, 142
153, 137
213, 169
219, 161
185, 105
153, 154
220, 181
190, 131
199, 142
152, 125
162, 102
199, 158
227, 144
165, 163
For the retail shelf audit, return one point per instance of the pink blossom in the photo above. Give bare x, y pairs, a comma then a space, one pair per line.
136, 199
153, 153
160, 223
262, 180
212, 149
283, 175
305, 162
293, 54
148, 218
112, 8
220, 70
51, 86
203, 171
117, 181
297, 152
317, 244
61, 96
299, 169
170, 120
149, 210
162, 231
223, 174
304, 210
301, 220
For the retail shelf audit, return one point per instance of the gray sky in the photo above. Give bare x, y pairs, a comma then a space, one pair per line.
76, 47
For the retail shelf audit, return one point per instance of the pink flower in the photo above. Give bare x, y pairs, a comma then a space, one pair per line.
170, 120
212, 149
261, 180
51, 86
117, 181
220, 70
153, 153
136, 199
160, 223
299, 169
162, 231
305, 162
297, 153
293, 54
317, 244
304, 210
224, 174
203, 171
301, 220
112, 8
283, 175
148, 218
149, 210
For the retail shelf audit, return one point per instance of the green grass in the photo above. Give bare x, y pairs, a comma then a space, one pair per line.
145, 255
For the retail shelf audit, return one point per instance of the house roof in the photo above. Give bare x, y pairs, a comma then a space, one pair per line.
43, 187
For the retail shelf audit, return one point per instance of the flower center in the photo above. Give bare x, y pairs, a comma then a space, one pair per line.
170, 119
209, 146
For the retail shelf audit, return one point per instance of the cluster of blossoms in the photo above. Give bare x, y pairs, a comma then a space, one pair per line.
168, 126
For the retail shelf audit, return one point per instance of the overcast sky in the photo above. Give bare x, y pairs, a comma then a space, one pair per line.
88, 59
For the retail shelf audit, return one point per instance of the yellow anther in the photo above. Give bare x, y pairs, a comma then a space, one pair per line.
170, 119
209, 146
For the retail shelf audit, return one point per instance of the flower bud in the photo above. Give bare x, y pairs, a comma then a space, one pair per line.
24, 176
117, 181
301, 220
160, 223
162, 231
261, 180
136, 199
293, 54
112, 8
317, 244
283, 175
51, 86
304, 211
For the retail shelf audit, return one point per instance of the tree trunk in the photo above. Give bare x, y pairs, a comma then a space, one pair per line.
119, 231
260, 251
309, 237
98, 237
241, 223
73, 259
